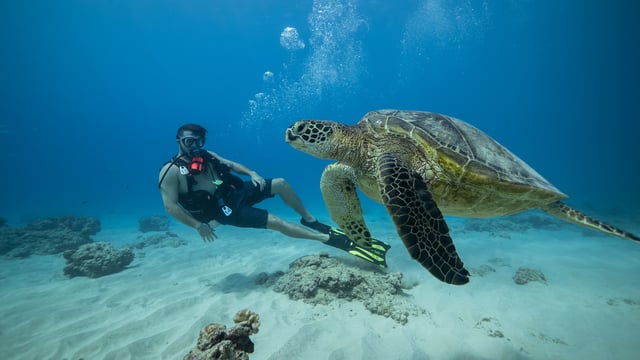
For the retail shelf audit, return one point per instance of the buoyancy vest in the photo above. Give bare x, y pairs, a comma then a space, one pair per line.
203, 205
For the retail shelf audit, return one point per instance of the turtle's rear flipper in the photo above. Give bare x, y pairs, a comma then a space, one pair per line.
418, 221
567, 213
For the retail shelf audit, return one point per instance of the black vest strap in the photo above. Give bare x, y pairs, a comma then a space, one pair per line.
222, 171
171, 162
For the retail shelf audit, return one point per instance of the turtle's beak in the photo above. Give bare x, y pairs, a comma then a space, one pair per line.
290, 136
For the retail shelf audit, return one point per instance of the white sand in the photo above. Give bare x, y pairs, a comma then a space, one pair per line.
589, 308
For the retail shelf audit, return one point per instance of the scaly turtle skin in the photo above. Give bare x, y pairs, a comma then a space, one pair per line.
421, 165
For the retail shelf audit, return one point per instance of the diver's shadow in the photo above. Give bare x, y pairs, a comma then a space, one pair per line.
242, 283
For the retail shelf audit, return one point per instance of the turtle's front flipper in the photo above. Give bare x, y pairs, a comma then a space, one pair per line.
567, 213
418, 220
338, 186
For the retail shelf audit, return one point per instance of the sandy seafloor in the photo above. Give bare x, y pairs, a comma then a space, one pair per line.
589, 308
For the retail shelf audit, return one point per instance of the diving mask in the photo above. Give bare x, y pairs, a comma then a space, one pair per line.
192, 142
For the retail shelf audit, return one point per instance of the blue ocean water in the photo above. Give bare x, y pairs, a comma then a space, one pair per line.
93, 91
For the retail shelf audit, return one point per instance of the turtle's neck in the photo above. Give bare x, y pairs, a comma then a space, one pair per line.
353, 145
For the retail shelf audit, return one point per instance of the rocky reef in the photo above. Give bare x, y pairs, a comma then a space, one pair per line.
153, 223
96, 259
217, 343
320, 279
47, 236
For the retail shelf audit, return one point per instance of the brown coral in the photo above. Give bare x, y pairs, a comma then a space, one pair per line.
249, 319
211, 335
216, 342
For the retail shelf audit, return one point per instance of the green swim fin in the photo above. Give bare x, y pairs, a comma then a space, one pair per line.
376, 254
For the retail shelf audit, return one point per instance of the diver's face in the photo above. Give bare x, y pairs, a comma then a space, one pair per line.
190, 142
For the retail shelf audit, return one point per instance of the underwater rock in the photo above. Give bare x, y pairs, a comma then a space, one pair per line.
153, 223
168, 239
85, 226
3, 222
96, 260
216, 342
47, 236
625, 301
320, 279
524, 275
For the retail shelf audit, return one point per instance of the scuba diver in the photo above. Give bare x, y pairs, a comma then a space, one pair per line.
199, 190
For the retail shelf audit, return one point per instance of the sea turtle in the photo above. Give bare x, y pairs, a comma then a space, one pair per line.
421, 165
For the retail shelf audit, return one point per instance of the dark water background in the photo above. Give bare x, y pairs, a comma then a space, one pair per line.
92, 92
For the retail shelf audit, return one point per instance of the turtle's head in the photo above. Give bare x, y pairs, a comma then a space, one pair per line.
319, 138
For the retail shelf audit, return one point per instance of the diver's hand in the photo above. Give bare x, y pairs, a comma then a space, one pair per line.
258, 180
207, 233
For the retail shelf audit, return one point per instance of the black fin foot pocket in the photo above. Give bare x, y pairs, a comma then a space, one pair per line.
316, 225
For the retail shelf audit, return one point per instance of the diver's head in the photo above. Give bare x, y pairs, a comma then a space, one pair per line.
191, 138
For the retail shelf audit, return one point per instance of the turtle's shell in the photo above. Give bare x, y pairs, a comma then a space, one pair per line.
461, 143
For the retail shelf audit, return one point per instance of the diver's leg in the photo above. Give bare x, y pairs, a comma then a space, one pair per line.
333, 238
294, 230
280, 186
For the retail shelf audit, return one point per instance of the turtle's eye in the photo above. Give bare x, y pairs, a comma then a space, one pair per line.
300, 128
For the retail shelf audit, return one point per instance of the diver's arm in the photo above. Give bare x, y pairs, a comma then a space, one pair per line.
256, 179
237, 167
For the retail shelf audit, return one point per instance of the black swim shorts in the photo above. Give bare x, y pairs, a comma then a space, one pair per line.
243, 213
